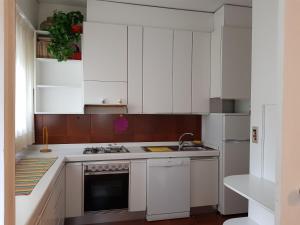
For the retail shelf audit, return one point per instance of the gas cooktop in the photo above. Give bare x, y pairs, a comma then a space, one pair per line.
102, 150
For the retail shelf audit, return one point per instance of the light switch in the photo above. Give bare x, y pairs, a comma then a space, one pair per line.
254, 134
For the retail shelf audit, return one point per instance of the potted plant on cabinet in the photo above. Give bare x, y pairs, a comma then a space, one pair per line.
76, 19
65, 33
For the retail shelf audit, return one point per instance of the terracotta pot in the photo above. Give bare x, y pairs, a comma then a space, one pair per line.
76, 28
76, 56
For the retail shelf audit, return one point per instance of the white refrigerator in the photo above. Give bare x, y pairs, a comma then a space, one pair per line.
230, 133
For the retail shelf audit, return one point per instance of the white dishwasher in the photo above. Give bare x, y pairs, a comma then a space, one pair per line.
168, 188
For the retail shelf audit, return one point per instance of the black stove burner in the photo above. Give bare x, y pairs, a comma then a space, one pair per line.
101, 150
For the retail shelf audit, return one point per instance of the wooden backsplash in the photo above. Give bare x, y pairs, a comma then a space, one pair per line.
67, 129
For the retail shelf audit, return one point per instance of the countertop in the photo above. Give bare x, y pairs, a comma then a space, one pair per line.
28, 207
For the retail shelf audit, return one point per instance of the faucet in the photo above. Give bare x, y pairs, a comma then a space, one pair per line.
181, 142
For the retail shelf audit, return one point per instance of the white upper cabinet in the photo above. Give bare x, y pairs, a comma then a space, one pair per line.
105, 52
157, 70
231, 53
182, 71
236, 63
201, 72
135, 69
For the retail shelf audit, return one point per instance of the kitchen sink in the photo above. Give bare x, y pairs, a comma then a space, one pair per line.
184, 148
191, 148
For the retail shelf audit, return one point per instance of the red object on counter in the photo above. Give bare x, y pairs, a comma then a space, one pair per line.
76, 28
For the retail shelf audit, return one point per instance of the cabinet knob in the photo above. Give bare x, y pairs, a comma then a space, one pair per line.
119, 101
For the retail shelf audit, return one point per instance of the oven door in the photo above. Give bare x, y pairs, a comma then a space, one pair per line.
106, 190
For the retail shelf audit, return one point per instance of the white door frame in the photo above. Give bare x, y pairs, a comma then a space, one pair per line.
288, 207
7, 120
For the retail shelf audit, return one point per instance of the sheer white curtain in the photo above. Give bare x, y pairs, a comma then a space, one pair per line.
24, 83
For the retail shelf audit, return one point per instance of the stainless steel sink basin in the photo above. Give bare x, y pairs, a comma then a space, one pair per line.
191, 148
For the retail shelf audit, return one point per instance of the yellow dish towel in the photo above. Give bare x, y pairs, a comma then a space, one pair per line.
159, 149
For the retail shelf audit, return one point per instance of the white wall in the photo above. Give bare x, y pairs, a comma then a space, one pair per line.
265, 83
47, 9
30, 9
118, 13
265, 90
1, 115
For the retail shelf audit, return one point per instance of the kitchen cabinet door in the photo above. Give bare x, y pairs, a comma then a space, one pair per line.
236, 63
182, 71
74, 190
137, 185
105, 52
135, 69
157, 70
216, 62
201, 72
54, 213
204, 182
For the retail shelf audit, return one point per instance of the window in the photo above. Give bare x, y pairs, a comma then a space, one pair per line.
24, 83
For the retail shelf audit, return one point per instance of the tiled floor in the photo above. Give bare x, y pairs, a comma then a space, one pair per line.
203, 219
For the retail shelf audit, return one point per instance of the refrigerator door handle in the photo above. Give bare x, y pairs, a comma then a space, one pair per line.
236, 141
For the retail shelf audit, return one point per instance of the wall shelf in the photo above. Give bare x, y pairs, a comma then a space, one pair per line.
253, 188
55, 60
42, 32
57, 86
240, 221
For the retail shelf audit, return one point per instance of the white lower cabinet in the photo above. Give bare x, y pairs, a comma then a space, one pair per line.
54, 210
204, 182
137, 185
74, 187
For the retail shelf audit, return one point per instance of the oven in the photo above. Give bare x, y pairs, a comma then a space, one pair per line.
106, 185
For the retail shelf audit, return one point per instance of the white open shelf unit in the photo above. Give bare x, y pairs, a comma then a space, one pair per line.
58, 87
42, 32
255, 189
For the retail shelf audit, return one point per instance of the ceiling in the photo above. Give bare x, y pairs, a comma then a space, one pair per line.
198, 5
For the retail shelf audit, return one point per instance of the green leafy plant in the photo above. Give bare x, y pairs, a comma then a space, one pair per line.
63, 39
76, 17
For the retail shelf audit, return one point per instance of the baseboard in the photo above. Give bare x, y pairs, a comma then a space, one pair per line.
203, 209
106, 216
167, 216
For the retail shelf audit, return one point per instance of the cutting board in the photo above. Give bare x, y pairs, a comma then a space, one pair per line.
158, 149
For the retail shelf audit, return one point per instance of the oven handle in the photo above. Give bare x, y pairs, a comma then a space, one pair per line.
86, 173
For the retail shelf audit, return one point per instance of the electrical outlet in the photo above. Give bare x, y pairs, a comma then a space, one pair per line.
254, 134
